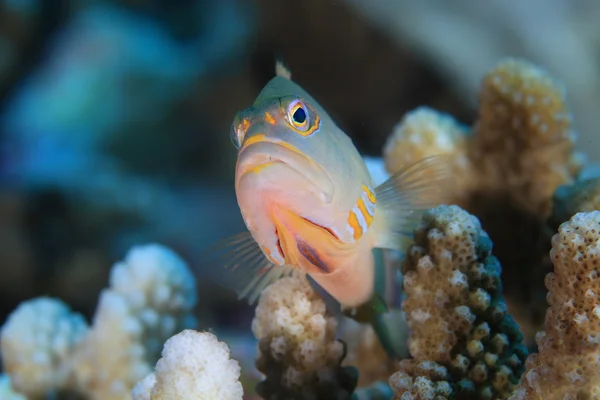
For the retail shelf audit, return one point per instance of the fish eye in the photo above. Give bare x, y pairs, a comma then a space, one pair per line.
298, 115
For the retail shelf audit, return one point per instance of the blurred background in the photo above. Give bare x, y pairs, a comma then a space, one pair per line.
115, 114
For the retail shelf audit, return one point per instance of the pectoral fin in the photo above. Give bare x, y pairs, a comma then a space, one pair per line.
402, 199
238, 263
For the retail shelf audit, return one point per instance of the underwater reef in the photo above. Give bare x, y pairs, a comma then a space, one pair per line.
499, 288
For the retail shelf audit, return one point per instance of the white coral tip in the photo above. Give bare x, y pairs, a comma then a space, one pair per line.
194, 365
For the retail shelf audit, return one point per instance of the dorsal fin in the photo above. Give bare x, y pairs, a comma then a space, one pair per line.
282, 70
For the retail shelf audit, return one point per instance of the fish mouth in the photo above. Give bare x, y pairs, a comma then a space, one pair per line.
263, 153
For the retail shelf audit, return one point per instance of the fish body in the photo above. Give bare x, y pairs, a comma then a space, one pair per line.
308, 200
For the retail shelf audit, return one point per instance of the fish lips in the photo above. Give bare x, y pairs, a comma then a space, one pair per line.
265, 152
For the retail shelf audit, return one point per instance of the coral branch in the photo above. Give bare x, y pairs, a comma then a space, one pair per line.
568, 363
506, 169
464, 343
298, 352
46, 348
194, 365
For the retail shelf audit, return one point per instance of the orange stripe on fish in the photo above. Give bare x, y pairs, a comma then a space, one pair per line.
245, 124
268, 254
269, 118
255, 139
369, 201
263, 138
357, 230
329, 230
258, 168
370, 194
366, 214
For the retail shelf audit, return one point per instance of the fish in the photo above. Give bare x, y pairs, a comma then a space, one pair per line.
309, 203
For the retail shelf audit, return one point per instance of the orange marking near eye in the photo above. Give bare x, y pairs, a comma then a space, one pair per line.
269, 118
370, 194
368, 217
315, 125
245, 124
355, 225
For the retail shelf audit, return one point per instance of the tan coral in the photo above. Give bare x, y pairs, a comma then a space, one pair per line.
430, 381
521, 144
298, 350
463, 342
506, 169
568, 363
437, 289
523, 141
425, 132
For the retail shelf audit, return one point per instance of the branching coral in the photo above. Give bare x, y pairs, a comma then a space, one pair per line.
37, 342
463, 342
568, 363
298, 352
194, 366
506, 167
151, 296
425, 132
521, 146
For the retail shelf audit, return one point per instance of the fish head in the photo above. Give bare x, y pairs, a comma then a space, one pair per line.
281, 138
290, 157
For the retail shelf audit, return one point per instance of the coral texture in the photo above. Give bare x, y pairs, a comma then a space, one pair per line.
150, 298
463, 342
37, 342
506, 169
194, 366
298, 352
425, 132
522, 143
567, 365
